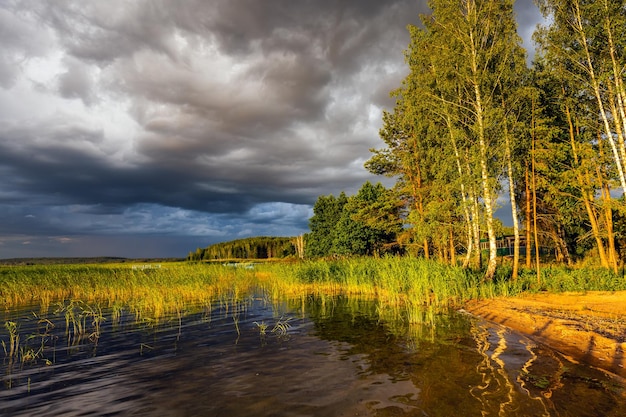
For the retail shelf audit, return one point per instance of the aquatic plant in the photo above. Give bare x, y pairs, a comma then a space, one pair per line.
262, 327
14, 341
78, 315
19, 351
282, 326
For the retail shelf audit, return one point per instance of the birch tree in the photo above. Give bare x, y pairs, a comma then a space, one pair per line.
584, 48
450, 108
586, 41
479, 40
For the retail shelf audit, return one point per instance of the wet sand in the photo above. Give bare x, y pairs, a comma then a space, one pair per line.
588, 327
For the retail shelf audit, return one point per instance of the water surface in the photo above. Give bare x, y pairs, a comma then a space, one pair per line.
309, 357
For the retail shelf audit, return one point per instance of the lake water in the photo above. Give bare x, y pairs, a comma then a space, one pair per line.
309, 357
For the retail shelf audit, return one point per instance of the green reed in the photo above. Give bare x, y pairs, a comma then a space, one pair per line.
81, 320
415, 289
391, 278
20, 351
14, 341
154, 292
411, 295
411, 289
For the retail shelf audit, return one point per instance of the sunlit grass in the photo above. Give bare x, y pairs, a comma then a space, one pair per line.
408, 294
147, 291
415, 289
410, 288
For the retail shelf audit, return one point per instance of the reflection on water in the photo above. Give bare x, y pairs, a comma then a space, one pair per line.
309, 357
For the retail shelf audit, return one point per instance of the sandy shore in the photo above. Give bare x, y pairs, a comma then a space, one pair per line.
588, 327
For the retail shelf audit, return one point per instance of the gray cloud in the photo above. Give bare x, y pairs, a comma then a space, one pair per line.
191, 120
77, 82
528, 16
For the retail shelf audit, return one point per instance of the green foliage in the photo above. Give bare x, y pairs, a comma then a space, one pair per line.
249, 248
364, 224
470, 114
581, 60
369, 221
326, 214
445, 137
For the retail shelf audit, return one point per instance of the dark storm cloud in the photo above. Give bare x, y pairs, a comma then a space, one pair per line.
158, 116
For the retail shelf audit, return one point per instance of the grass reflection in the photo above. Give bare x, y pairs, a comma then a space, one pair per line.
416, 290
406, 293
411, 296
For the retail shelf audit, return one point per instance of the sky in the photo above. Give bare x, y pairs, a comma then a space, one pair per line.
148, 128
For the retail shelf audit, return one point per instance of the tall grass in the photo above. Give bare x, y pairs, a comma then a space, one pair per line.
411, 284
420, 288
417, 287
406, 293
147, 291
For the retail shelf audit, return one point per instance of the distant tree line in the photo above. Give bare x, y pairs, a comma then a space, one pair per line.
262, 247
82, 260
368, 223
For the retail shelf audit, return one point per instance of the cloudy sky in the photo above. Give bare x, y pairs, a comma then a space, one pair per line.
147, 128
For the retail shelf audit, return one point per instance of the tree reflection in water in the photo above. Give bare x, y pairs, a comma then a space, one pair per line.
337, 356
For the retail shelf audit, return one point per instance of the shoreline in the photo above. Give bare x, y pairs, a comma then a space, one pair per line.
588, 327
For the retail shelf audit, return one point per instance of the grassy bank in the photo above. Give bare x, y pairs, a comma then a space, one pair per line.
406, 293
412, 285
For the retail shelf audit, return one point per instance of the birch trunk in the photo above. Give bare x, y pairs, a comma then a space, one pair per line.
620, 93
528, 218
534, 190
484, 172
509, 169
584, 183
595, 84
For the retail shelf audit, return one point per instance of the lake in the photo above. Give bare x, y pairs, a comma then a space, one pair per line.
313, 356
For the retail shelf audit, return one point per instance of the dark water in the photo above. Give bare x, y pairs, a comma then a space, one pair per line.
317, 357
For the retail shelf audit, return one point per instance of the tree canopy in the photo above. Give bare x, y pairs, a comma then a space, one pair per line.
367, 223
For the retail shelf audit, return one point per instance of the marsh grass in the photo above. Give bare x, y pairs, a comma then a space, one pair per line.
20, 351
397, 284
282, 326
14, 341
414, 290
151, 292
262, 328
410, 295
81, 320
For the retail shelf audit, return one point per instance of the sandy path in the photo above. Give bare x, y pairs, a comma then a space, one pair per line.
589, 327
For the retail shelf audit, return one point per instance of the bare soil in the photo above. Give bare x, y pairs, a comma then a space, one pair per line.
588, 327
